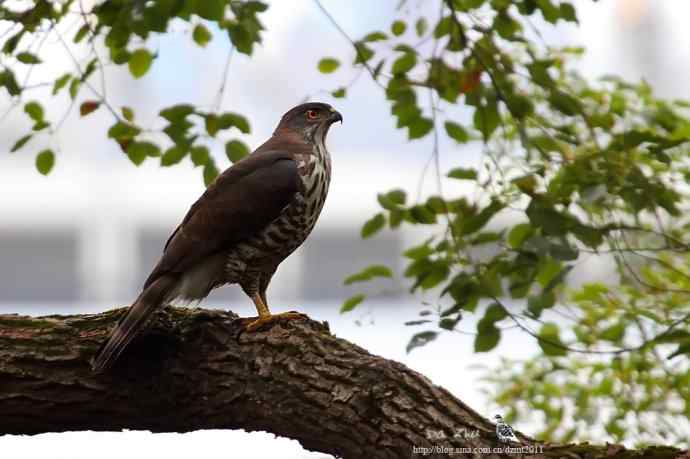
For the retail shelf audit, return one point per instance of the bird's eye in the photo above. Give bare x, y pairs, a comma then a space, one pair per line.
312, 114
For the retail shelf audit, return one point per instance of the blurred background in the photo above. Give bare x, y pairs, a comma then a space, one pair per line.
84, 238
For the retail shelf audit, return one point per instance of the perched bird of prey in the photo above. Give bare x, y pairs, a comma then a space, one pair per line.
255, 214
503, 431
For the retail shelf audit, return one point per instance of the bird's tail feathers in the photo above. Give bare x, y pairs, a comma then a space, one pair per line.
132, 322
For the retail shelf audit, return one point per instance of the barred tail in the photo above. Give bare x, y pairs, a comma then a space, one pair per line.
133, 321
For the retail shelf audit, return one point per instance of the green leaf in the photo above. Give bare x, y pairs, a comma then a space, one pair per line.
328, 65
176, 113
547, 270
243, 36
550, 340
614, 333
438, 273
137, 152
364, 53
211, 124
565, 103
421, 26
519, 234
9, 82
477, 222
339, 93
421, 339
393, 200
422, 214
588, 235
505, 25
398, 28
537, 303
34, 110
487, 339
74, 87
20, 143
490, 282
45, 161
486, 118
437, 204
210, 172
443, 27
201, 35
463, 174
199, 155
119, 56
404, 63
81, 33
395, 218
494, 313
140, 61
526, 183
375, 36
28, 58
456, 132
558, 278
672, 336
568, 12
397, 196
12, 42
564, 251
369, 273
352, 303
128, 113
173, 155
235, 150
417, 322
213, 10
419, 128
449, 323
123, 131
373, 225
418, 252
550, 12
61, 82
541, 214
228, 120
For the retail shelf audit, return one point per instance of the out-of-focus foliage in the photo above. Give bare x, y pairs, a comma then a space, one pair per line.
121, 26
573, 169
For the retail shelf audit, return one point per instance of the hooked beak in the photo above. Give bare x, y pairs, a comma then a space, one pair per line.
335, 116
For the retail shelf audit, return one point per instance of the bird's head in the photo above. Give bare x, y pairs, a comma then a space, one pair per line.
311, 120
498, 417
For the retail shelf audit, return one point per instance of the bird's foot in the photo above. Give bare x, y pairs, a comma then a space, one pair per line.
263, 320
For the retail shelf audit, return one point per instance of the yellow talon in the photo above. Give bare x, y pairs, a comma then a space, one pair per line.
263, 320
265, 316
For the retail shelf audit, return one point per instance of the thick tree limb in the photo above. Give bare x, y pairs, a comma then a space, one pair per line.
197, 370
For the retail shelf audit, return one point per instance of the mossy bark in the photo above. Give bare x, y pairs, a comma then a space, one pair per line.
198, 369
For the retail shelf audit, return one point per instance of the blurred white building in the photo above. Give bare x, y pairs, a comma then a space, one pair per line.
92, 234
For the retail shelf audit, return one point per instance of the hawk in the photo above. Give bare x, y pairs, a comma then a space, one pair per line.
252, 217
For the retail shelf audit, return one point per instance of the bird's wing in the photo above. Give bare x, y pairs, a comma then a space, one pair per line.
241, 202
505, 430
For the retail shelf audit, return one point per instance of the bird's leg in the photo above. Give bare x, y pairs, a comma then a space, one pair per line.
265, 315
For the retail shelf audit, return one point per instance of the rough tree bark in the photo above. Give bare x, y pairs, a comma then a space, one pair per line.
197, 370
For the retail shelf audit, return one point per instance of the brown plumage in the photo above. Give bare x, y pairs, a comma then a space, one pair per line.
249, 220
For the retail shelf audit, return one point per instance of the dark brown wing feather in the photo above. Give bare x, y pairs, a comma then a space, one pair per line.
241, 202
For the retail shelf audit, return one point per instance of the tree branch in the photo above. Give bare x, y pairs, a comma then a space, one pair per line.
198, 370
